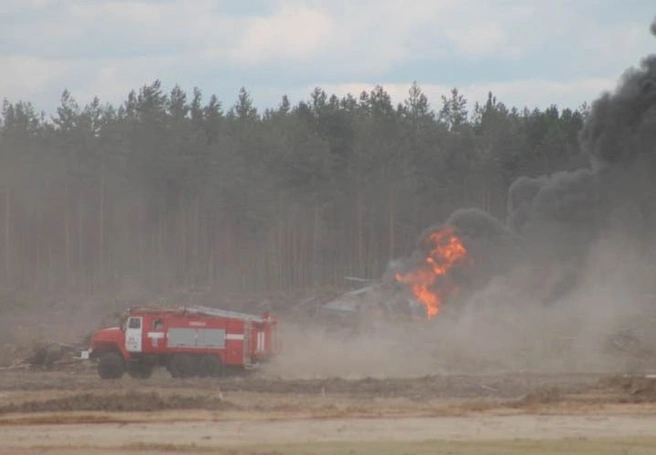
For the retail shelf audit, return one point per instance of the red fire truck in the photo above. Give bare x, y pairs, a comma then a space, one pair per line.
189, 341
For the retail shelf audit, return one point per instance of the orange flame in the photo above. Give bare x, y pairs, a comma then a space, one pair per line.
446, 250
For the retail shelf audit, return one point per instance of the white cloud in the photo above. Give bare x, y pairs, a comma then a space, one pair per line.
614, 47
542, 92
11, 6
114, 79
42, 81
291, 34
478, 42
372, 36
508, 29
24, 75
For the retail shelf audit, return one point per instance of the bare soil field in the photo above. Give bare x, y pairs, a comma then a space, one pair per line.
74, 412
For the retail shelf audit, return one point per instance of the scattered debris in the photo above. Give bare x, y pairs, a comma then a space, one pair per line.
45, 356
491, 389
637, 388
42, 356
546, 395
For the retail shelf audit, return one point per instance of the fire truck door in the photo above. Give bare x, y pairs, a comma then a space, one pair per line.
134, 334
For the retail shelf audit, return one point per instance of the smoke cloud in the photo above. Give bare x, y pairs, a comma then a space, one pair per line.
555, 224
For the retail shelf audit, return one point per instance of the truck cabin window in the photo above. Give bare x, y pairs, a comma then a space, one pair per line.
158, 324
134, 323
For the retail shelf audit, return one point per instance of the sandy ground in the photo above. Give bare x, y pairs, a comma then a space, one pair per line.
74, 413
114, 437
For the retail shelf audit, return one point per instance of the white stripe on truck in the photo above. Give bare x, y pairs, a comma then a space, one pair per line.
235, 336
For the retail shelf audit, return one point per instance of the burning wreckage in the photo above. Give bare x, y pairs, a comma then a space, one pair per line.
426, 277
447, 263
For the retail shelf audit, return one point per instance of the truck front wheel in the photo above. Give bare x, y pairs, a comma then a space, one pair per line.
111, 366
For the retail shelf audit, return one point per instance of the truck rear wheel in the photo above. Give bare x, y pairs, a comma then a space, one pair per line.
209, 366
139, 370
111, 366
182, 366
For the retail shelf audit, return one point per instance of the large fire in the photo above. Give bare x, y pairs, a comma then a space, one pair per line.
445, 251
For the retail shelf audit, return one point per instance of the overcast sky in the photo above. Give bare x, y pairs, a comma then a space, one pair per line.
527, 52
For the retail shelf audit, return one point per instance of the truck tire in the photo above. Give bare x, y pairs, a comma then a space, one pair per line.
111, 366
182, 366
139, 370
210, 366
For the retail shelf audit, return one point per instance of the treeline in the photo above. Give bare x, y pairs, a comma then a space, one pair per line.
171, 189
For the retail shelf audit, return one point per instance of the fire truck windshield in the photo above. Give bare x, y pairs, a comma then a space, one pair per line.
134, 323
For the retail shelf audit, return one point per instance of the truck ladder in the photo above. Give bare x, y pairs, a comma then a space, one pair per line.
208, 311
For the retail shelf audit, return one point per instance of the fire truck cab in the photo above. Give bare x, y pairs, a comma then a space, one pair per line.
189, 341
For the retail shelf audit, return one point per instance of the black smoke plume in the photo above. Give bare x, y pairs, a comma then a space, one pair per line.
553, 222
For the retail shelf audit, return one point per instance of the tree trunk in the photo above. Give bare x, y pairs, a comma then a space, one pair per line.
101, 232
316, 257
391, 215
67, 240
360, 232
141, 208
184, 259
8, 249
81, 284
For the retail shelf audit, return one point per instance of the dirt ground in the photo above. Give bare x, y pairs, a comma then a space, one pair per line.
74, 412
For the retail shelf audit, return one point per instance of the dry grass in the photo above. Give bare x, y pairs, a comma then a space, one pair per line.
633, 389
131, 401
646, 446
363, 398
176, 448
538, 397
59, 419
570, 446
